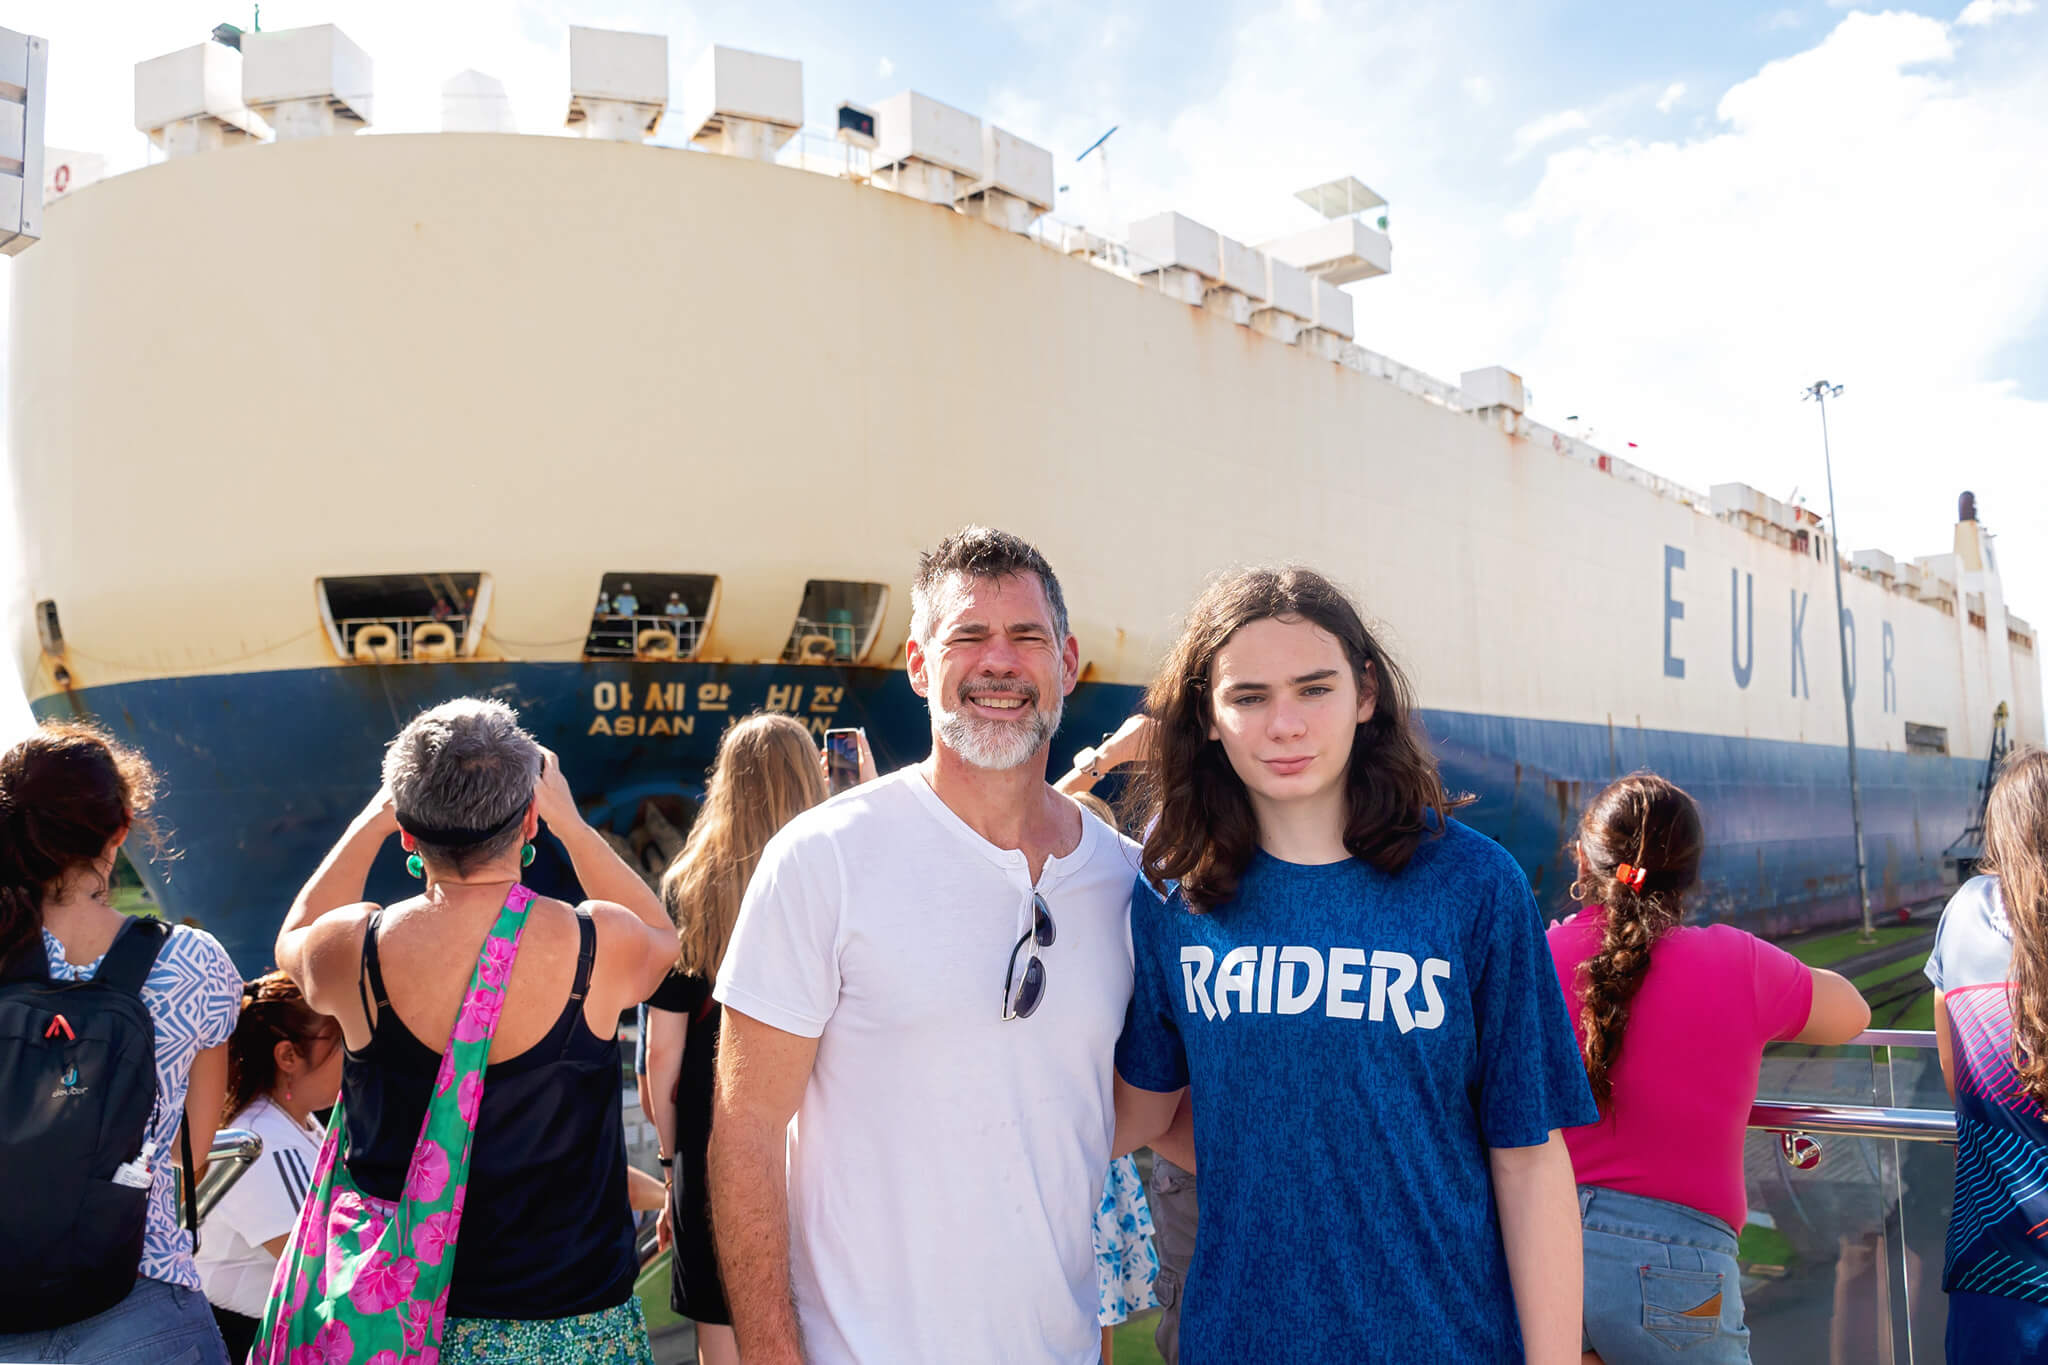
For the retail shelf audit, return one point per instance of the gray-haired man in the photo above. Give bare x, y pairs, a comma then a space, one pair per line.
929, 973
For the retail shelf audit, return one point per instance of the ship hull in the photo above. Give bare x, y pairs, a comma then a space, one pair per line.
264, 770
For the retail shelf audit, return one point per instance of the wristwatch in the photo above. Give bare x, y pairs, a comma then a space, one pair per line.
666, 1162
1086, 760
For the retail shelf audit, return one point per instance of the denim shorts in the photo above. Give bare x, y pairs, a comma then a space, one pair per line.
1662, 1283
157, 1324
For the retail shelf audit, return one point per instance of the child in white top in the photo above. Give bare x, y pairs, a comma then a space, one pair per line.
284, 1063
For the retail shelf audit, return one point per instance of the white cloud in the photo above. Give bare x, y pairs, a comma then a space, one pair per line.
1673, 93
884, 69
1541, 130
1978, 13
1700, 283
1478, 89
1782, 19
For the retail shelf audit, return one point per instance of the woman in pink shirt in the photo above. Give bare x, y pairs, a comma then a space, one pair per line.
1672, 1021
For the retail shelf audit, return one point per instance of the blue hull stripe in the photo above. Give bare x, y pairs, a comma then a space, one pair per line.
264, 769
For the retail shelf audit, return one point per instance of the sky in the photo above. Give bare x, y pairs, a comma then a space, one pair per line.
1669, 219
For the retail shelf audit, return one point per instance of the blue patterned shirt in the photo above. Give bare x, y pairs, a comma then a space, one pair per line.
1356, 1043
194, 995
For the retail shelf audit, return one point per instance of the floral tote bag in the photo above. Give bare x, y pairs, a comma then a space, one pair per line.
364, 1281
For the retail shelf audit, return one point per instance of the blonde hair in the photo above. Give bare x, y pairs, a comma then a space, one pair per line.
2016, 851
765, 775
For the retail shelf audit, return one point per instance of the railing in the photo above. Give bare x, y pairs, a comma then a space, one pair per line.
618, 637
402, 629
833, 642
232, 1153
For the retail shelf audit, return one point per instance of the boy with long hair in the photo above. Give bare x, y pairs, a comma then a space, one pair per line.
1357, 991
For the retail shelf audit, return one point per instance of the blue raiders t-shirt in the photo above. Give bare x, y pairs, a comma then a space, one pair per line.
1355, 1043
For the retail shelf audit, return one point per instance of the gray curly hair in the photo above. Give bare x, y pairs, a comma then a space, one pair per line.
465, 764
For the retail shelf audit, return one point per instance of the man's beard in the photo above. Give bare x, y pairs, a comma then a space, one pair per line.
997, 745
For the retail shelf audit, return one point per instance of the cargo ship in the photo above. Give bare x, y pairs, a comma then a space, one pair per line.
312, 428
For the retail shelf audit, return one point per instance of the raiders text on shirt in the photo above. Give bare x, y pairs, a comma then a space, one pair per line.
1288, 980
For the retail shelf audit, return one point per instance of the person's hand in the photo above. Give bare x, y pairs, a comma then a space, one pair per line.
552, 799
867, 756
1130, 744
664, 1231
382, 812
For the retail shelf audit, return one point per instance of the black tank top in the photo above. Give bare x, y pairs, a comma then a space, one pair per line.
546, 1228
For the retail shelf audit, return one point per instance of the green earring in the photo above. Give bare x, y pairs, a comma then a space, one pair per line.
526, 855
415, 866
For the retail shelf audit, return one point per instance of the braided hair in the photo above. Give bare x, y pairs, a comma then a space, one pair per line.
273, 1012
1639, 847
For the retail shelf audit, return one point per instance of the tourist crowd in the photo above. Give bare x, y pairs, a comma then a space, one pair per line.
900, 1043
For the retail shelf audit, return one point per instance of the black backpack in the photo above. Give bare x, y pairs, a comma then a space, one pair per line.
77, 1088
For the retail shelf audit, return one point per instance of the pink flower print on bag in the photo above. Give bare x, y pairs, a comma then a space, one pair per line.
479, 1016
427, 1176
329, 1346
338, 1294
496, 963
469, 1097
384, 1282
432, 1238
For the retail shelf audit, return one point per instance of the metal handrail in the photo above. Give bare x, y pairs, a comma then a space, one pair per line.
234, 1150
1853, 1120
1894, 1037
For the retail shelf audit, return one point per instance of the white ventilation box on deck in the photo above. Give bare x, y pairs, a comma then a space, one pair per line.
1493, 387
191, 100
1184, 255
618, 83
743, 103
24, 60
1342, 251
926, 149
1016, 184
307, 82
1875, 562
472, 102
1333, 311
1290, 306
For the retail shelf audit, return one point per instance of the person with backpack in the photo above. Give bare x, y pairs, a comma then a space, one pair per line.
1672, 1021
113, 1059
284, 1067
1990, 973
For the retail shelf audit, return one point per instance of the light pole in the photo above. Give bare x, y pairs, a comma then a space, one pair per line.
1820, 391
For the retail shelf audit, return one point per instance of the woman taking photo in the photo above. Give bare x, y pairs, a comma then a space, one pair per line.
766, 774
1990, 972
69, 796
284, 1065
1352, 988
541, 1236
1672, 1021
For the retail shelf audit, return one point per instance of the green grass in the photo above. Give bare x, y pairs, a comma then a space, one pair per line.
1829, 949
652, 1287
1133, 1340
1764, 1246
1891, 972
131, 900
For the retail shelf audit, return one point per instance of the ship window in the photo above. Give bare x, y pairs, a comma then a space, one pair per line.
405, 617
836, 623
1926, 739
650, 615
47, 629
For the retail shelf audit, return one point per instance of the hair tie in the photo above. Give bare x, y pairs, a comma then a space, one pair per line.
1631, 876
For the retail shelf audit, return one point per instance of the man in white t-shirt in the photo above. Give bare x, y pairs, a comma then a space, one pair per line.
929, 974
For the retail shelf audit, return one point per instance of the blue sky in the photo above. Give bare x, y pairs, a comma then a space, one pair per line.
1669, 218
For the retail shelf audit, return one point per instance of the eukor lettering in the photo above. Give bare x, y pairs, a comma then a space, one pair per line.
1352, 983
